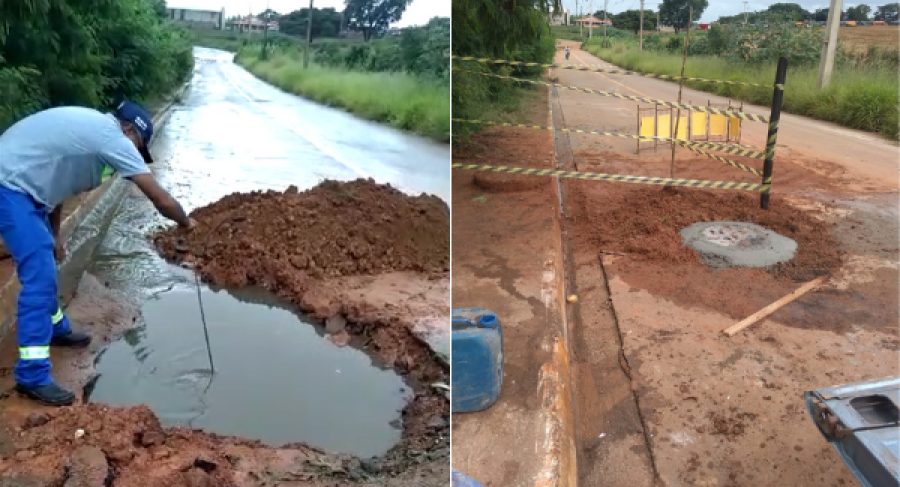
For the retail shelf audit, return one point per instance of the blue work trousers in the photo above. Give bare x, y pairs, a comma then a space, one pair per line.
25, 229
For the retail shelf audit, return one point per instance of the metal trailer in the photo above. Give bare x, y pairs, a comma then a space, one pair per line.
862, 421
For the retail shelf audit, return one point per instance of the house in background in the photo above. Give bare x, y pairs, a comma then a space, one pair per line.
252, 24
196, 18
591, 20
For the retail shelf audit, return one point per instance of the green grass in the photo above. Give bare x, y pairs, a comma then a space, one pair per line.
572, 32
864, 98
219, 39
402, 100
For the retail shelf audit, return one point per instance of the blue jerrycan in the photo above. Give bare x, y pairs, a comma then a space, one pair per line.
477, 359
462, 480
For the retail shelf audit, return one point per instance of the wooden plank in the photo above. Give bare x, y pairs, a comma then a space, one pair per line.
809, 286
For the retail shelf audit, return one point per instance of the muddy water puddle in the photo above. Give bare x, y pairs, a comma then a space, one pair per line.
277, 378
273, 378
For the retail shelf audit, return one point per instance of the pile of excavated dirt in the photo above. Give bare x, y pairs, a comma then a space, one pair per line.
288, 240
94, 445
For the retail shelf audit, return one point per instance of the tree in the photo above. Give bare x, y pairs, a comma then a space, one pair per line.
425, 50
374, 16
788, 11
820, 15
326, 22
499, 29
89, 53
631, 20
159, 6
268, 15
859, 12
889, 12
676, 12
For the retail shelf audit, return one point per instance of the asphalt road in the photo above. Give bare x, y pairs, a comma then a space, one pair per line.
865, 154
234, 123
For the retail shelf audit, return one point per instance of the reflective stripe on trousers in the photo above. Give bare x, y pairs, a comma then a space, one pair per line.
57, 317
43, 352
34, 353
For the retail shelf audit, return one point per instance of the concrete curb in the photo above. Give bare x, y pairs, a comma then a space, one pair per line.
560, 468
9, 290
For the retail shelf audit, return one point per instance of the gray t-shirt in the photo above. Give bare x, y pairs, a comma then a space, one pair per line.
58, 153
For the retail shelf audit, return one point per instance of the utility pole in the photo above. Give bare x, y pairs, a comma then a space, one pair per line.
745, 12
826, 64
605, 20
641, 26
308, 36
591, 16
658, 30
580, 19
265, 52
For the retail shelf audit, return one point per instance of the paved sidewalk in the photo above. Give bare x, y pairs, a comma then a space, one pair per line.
506, 258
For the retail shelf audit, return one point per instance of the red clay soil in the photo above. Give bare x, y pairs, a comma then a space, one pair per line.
95, 445
287, 241
642, 224
646, 222
356, 249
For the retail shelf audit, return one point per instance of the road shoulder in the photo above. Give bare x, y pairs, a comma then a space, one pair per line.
507, 257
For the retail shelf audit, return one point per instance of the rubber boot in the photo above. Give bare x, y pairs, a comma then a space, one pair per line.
73, 339
64, 336
49, 394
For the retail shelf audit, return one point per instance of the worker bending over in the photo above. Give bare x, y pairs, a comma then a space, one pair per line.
45, 159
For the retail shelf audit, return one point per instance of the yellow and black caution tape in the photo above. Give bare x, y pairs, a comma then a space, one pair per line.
609, 71
619, 178
728, 148
672, 104
733, 149
722, 159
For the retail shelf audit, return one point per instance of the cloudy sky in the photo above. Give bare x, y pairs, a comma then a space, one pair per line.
716, 9
418, 13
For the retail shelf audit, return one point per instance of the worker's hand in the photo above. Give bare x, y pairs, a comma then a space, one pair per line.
59, 250
190, 225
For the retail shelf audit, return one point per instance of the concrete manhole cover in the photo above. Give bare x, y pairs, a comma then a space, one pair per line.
743, 236
738, 244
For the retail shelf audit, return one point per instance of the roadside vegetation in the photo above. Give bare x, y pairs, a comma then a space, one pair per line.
69, 52
397, 76
226, 40
863, 93
500, 29
402, 80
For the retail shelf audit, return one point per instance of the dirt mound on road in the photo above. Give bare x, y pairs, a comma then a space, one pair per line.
126, 445
275, 238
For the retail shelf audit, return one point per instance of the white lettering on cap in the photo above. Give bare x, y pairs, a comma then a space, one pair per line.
140, 123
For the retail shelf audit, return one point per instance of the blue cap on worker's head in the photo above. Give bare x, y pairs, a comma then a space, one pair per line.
140, 119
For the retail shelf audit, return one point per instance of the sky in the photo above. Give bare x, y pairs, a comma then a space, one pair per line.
418, 13
716, 9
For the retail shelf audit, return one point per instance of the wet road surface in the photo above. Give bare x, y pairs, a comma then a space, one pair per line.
276, 378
